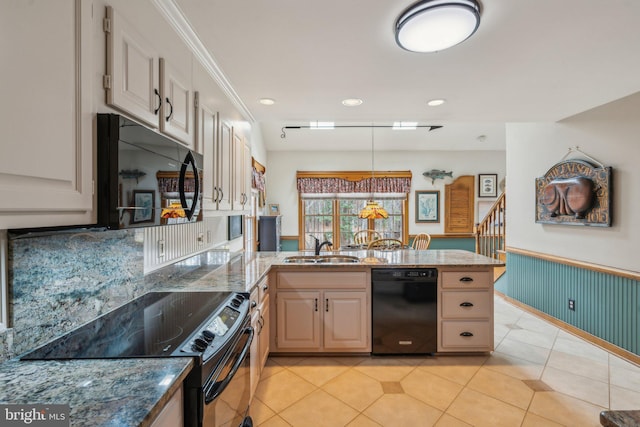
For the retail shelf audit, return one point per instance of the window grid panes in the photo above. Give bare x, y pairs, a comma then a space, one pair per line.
321, 215
318, 221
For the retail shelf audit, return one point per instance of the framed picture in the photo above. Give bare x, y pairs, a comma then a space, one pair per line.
144, 204
487, 185
427, 206
274, 209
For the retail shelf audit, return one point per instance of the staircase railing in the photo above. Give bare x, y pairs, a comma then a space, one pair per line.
490, 232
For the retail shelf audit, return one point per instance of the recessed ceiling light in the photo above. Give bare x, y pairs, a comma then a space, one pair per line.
435, 102
352, 102
267, 101
405, 125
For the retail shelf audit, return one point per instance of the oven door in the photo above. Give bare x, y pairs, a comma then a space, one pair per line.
228, 391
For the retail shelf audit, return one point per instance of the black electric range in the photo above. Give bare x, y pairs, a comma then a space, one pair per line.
212, 327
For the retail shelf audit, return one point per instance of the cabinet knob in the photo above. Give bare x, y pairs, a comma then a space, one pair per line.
265, 288
466, 304
466, 334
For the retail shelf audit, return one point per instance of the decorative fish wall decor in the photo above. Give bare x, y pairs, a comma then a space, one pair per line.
437, 174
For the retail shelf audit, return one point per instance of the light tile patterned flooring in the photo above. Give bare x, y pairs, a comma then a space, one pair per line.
538, 375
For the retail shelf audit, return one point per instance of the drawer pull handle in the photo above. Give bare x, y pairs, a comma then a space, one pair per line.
316, 304
254, 304
466, 279
466, 334
466, 304
265, 288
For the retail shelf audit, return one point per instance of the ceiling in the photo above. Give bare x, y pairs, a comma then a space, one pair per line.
535, 60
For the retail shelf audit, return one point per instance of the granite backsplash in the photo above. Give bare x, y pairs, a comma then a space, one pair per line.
58, 281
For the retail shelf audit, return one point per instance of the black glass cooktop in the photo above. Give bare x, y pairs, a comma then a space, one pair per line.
153, 325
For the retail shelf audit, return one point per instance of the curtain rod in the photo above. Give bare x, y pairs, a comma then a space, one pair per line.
284, 134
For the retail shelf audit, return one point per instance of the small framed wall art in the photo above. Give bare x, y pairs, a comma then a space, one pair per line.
428, 206
274, 209
144, 205
487, 185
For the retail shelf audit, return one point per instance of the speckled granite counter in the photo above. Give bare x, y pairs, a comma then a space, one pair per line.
128, 392
620, 418
125, 392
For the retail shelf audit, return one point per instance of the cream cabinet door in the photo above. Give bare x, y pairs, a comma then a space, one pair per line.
265, 331
298, 320
208, 143
177, 103
238, 172
46, 153
224, 168
132, 82
345, 320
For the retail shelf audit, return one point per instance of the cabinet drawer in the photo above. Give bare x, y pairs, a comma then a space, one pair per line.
322, 280
463, 335
466, 304
467, 279
263, 289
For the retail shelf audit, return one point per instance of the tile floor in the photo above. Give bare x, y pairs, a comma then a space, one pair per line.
538, 375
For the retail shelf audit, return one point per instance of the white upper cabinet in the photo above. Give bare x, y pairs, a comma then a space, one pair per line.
132, 82
46, 149
156, 90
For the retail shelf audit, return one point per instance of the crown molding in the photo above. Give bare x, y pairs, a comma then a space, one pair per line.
178, 21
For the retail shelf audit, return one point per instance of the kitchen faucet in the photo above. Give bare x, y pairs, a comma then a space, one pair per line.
319, 245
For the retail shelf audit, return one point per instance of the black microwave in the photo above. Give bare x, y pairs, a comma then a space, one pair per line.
144, 178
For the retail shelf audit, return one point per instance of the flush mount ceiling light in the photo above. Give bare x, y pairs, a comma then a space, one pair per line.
434, 25
435, 102
267, 101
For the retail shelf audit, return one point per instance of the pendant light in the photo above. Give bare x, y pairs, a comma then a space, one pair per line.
373, 210
435, 25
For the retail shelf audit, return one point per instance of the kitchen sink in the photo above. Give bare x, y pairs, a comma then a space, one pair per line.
321, 259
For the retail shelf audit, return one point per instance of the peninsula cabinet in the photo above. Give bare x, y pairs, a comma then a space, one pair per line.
322, 311
155, 90
465, 309
259, 351
46, 154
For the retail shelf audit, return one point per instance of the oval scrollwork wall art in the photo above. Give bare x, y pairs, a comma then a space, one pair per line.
574, 192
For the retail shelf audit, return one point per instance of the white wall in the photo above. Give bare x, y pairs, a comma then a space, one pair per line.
282, 167
609, 134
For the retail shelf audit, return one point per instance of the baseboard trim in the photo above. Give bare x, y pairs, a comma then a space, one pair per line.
599, 342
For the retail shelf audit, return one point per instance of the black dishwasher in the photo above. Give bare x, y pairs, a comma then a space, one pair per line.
404, 310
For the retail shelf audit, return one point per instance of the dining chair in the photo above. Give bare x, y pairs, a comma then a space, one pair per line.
386, 244
363, 237
421, 242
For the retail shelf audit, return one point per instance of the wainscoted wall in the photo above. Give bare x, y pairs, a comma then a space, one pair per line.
606, 305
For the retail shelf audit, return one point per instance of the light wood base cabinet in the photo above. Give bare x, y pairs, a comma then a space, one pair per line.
259, 351
322, 311
465, 310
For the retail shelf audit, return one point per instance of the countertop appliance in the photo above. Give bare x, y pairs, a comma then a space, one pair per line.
404, 310
212, 327
145, 178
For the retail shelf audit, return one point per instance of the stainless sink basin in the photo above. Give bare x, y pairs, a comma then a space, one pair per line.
321, 259
338, 259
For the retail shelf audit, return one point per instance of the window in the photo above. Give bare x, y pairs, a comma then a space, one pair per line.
329, 204
336, 220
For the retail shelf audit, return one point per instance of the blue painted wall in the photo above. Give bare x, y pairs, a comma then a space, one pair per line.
606, 306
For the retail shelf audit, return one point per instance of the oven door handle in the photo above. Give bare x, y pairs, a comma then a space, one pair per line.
219, 386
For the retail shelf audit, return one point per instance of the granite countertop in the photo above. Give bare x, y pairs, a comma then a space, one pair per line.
115, 392
620, 418
131, 392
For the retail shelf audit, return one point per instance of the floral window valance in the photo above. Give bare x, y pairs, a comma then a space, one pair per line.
354, 183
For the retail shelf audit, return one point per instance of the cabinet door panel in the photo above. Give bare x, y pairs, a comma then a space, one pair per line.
345, 320
46, 150
207, 141
264, 332
132, 64
224, 167
177, 105
298, 320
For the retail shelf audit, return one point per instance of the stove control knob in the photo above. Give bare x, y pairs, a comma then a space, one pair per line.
236, 302
208, 335
199, 345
